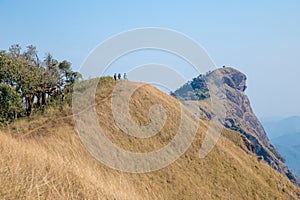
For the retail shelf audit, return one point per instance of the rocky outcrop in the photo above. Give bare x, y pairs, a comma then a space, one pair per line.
240, 117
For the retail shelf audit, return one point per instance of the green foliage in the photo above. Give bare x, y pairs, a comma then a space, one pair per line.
11, 104
193, 90
36, 83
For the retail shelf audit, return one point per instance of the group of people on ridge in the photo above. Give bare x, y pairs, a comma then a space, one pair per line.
118, 77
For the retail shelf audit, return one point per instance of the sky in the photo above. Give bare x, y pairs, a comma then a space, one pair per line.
259, 38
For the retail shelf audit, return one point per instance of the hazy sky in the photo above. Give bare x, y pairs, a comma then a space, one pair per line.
260, 38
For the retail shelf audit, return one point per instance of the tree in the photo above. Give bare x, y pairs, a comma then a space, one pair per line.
31, 55
73, 77
64, 68
15, 50
11, 104
33, 81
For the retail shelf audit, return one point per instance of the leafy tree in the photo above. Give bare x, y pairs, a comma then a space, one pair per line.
33, 81
193, 90
64, 69
11, 104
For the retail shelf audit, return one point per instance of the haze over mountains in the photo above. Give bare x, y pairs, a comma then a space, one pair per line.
285, 135
285, 126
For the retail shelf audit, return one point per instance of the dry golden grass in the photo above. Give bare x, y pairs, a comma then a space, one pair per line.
52, 163
55, 165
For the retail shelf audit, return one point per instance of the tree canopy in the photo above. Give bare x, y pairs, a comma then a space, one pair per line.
28, 83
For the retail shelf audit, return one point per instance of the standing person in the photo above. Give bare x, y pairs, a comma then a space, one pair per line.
119, 76
115, 76
125, 76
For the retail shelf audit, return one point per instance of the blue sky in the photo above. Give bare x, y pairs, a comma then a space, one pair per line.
260, 38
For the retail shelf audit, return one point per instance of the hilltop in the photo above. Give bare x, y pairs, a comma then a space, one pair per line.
43, 157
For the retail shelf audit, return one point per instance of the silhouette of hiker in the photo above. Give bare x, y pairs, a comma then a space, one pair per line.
115, 76
125, 76
119, 76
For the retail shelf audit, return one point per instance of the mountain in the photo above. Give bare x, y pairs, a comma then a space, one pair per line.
239, 114
285, 135
289, 146
277, 128
43, 157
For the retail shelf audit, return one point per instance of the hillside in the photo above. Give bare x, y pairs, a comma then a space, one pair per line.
239, 115
43, 158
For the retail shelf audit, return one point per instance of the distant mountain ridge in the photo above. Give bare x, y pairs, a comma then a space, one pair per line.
277, 128
285, 135
289, 146
239, 116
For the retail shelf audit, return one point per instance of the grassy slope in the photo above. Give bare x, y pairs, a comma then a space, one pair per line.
49, 161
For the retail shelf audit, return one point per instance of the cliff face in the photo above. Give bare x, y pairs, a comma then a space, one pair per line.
240, 117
